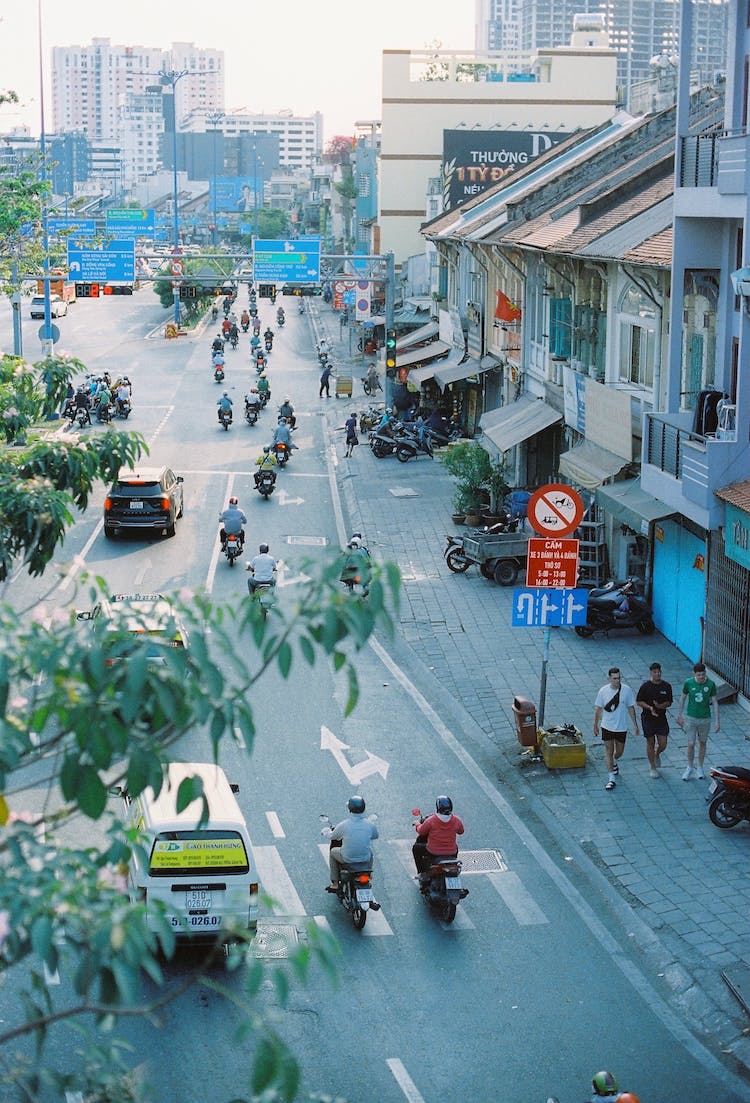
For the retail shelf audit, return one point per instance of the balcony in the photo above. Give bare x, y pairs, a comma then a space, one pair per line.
715, 161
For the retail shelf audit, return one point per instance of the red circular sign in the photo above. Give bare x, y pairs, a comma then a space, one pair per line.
555, 510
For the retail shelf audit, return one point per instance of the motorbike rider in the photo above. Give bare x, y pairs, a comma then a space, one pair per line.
268, 335
245, 321
232, 521
214, 312
437, 835
252, 400
280, 314
234, 333
266, 461
256, 325
68, 409
225, 406
282, 434
263, 385
373, 379
102, 400
386, 422
604, 1086
226, 325
263, 570
357, 564
356, 834
123, 394
287, 410
226, 306
83, 402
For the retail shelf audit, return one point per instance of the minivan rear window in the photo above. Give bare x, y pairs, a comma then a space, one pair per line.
198, 852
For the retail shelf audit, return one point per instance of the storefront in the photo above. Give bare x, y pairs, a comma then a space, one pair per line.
727, 636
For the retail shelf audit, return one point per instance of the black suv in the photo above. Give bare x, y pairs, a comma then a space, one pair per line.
143, 498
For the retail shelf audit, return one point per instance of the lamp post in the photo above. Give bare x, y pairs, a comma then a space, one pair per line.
214, 118
169, 78
255, 190
47, 339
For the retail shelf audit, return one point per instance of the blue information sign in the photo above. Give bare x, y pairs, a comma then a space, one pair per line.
81, 227
541, 607
128, 222
287, 261
115, 264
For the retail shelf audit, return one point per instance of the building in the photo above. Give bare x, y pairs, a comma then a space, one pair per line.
497, 26
299, 138
91, 83
140, 129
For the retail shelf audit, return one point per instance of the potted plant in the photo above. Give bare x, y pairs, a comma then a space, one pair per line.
497, 485
470, 466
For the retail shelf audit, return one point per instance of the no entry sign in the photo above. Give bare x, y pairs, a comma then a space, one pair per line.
555, 510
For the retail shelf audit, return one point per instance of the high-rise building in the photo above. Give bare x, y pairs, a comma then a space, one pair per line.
497, 26
91, 83
300, 137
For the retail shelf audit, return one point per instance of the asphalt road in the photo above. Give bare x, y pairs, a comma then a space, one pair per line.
536, 985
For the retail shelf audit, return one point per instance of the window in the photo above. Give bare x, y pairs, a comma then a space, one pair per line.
560, 328
637, 355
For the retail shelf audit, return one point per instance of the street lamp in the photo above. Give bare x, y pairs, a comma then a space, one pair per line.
214, 118
255, 189
169, 78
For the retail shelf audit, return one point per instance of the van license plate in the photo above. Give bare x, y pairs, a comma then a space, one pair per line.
198, 899
453, 882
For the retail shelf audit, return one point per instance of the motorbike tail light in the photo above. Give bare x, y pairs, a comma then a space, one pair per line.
363, 879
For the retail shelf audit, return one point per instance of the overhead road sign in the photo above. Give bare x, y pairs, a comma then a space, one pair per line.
285, 261
552, 563
546, 608
126, 222
555, 510
116, 262
81, 227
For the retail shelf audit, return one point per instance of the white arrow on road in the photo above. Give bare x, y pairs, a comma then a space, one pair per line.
285, 500
354, 774
284, 581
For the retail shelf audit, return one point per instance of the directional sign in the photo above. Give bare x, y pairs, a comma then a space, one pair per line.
129, 222
540, 608
555, 510
286, 261
552, 563
115, 264
81, 227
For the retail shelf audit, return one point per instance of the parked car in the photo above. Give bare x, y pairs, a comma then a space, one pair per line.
58, 308
144, 498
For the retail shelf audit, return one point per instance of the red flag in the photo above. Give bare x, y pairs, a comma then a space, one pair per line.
506, 310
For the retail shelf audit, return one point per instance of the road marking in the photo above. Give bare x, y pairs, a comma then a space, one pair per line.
404, 1081
354, 773
50, 977
377, 924
276, 882
217, 546
517, 899
239, 738
275, 824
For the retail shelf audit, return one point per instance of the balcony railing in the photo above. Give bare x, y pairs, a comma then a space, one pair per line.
699, 161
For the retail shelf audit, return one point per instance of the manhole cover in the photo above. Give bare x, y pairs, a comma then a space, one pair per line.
312, 541
482, 861
274, 940
403, 492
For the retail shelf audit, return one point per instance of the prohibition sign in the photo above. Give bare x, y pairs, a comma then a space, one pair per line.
555, 510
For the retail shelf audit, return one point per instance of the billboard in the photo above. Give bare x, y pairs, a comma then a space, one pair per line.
474, 160
235, 193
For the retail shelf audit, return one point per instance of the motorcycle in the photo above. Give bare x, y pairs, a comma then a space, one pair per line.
355, 883
269, 344
282, 452
264, 594
80, 417
730, 796
371, 383
440, 884
232, 547
218, 373
301, 308
214, 313
260, 362
252, 409
266, 483
280, 319
383, 443
225, 419
234, 340
265, 398
409, 447
617, 605
454, 556
245, 323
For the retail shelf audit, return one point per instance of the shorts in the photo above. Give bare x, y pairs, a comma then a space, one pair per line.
654, 733
608, 736
699, 726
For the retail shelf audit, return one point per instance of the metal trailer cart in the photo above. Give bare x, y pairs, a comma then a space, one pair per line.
499, 555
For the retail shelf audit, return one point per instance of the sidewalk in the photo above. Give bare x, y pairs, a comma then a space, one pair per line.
649, 845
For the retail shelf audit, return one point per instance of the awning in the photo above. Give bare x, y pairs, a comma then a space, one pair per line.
424, 333
418, 376
377, 320
631, 505
589, 466
422, 355
517, 421
451, 370
489, 361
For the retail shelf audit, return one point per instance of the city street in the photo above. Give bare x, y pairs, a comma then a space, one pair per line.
597, 924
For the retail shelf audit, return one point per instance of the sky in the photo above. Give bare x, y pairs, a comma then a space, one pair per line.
306, 55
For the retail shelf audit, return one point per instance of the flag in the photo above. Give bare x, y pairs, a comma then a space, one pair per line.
506, 310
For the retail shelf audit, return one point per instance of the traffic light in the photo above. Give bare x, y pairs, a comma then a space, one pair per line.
390, 350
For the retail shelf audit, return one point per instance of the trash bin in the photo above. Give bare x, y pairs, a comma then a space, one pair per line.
524, 715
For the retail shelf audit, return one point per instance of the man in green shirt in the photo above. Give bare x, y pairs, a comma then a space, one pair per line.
698, 702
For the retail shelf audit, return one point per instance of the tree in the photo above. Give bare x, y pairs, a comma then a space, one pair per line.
93, 727
339, 150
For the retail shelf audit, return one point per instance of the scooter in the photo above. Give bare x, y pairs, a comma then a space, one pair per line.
383, 443
218, 373
232, 547
264, 594
355, 883
440, 883
234, 340
225, 419
281, 451
260, 362
265, 398
269, 344
280, 319
252, 409
410, 446
730, 796
80, 417
266, 483
617, 605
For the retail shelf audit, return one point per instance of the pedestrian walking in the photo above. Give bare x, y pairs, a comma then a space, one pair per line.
617, 700
325, 376
653, 699
352, 440
698, 702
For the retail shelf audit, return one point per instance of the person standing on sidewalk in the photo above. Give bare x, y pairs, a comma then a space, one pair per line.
617, 700
653, 699
352, 440
325, 376
699, 694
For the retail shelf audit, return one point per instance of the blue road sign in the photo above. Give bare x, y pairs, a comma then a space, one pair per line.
542, 607
81, 227
127, 222
287, 261
115, 264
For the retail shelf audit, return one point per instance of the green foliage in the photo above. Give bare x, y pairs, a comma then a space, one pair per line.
474, 473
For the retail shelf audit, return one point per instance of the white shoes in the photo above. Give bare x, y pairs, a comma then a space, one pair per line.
689, 774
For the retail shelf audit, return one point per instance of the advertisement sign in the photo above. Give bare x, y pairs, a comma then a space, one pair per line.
474, 160
235, 193
341, 288
126, 222
600, 413
737, 535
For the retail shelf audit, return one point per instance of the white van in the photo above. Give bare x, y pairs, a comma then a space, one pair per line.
201, 874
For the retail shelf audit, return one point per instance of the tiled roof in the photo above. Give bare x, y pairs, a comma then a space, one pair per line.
737, 494
655, 251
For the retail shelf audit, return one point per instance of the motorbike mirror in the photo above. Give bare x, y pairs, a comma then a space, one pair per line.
415, 812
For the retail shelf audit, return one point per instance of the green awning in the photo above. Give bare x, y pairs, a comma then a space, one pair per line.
629, 504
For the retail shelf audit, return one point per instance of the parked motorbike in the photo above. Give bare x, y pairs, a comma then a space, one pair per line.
440, 883
617, 605
225, 418
232, 548
281, 452
383, 443
266, 483
218, 373
442, 437
453, 554
409, 446
355, 883
252, 409
730, 796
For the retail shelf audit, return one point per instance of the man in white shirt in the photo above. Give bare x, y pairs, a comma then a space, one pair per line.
262, 569
615, 703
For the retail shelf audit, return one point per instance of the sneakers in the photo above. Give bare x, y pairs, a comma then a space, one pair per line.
654, 773
611, 783
689, 774
701, 776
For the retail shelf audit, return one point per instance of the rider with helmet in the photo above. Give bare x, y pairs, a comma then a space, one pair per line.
287, 410
357, 566
355, 834
263, 570
232, 520
604, 1086
266, 461
437, 835
225, 406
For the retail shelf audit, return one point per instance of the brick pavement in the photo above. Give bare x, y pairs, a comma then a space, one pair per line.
684, 881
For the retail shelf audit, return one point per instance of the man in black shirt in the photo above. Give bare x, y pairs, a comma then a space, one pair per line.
654, 698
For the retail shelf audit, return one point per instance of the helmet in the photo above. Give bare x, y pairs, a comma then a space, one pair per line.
234, 501
262, 375
604, 1083
266, 448
287, 398
444, 806
627, 1097
356, 804
355, 542
356, 536
263, 549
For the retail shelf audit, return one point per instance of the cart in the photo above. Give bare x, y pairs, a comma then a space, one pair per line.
499, 555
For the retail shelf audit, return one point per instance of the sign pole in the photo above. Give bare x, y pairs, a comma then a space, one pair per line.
543, 680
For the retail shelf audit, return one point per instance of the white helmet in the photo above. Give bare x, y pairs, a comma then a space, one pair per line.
355, 542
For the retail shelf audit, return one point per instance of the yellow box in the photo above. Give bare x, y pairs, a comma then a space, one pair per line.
562, 756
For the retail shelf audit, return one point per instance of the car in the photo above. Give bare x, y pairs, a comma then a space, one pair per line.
149, 617
144, 498
58, 308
